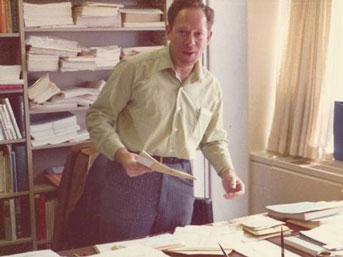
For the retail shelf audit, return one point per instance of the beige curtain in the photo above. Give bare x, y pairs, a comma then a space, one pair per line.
301, 79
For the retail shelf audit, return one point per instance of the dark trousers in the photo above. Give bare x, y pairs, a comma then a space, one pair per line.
116, 207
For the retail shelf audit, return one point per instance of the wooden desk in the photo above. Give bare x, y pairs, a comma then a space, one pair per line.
90, 250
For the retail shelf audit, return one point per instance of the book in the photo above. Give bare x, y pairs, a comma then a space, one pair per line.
20, 162
9, 220
305, 210
17, 104
54, 174
10, 86
317, 222
12, 117
40, 202
304, 245
147, 160
3, 17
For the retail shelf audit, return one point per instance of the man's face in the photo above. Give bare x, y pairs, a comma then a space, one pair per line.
188, 37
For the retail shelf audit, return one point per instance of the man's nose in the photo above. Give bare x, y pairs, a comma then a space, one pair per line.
190, 39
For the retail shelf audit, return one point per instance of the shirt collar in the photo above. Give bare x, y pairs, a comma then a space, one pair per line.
166, 63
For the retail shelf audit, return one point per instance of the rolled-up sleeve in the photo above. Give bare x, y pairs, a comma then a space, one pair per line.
214, 144
102, 116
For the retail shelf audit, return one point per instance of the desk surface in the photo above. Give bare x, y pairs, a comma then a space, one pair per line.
90, 250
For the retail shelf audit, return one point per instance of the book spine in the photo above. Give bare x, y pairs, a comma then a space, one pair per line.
9, 15
3, 20
17, 104
41, 216
12, 118
14, 14
9, 220
20, 160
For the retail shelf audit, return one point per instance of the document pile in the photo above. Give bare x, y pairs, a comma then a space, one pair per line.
39, 253
10, 76
132, 251
263, 227
305, 210
91, 14
144, 17
325, 238
49, 14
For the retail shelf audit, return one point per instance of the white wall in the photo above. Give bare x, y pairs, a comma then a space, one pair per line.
228, 62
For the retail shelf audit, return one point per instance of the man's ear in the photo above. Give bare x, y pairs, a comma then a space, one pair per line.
209, 36
168, 30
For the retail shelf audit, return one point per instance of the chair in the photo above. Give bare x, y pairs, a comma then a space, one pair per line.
202, 211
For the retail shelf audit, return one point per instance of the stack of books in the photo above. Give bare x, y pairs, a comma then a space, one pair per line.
127, 51
10, 77
305, 210
148, 17
48, 14
44, 52
263, 227
61, 128
83, 62
8, 16
106, 57
9, 129
92, 14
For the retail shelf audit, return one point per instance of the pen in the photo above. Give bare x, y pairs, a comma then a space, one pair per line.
224, 253
282, 244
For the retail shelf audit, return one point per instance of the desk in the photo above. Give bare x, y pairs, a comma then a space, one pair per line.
90, 250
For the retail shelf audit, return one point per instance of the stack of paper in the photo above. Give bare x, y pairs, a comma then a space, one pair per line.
106, 57
127, 51
305, 210
263, 226
10, 77
52, 46
317, 222
44, 52
39, 253
132, 251
42, 90
77, 63
61, 128
49, 14
91, 14
142, 17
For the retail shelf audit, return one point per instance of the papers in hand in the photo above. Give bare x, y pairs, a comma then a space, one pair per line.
147, 160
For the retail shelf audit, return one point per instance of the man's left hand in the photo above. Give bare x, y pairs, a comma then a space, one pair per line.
232, 184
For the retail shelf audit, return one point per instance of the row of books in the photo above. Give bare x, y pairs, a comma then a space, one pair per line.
56, 54
45, 216
90, 14
8, 16
13, 173
14, 218
10, 77
9, 128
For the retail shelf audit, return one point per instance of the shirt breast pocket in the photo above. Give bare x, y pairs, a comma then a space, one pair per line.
203, 119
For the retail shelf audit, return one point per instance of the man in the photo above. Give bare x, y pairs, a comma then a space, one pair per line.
167, 104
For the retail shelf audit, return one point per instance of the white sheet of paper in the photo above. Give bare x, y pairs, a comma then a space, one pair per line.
132, 251
261, 222
262, 248
302, 207
40, 253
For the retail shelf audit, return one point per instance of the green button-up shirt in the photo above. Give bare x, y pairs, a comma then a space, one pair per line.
144, 106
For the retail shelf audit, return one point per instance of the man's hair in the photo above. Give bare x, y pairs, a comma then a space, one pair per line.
178, 5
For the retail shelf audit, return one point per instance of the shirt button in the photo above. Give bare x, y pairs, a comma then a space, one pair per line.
175, 129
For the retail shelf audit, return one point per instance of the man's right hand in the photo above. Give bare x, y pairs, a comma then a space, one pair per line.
128, 161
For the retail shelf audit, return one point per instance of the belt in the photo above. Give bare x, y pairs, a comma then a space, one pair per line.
167, 160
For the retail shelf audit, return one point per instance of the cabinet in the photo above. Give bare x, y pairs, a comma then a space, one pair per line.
38, 159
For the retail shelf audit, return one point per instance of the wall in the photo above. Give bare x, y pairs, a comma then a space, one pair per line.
228, 62
262, 33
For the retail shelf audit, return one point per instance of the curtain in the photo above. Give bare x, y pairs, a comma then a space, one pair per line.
300, 80
332, 89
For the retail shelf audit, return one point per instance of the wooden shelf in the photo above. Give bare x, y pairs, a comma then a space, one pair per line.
15, 242
4, 35
83, 29
13, 195
15, 141
68, 144
12, 91
76, 109
44, 188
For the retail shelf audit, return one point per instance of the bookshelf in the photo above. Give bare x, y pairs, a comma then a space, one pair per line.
39, 158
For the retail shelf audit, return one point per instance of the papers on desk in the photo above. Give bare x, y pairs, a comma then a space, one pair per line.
305, 210
160, 242
40, 253
132, 251
262, 248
